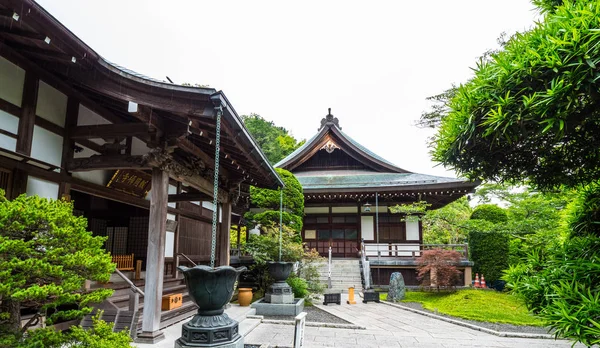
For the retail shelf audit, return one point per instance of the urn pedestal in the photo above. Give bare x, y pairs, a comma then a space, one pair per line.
211, 289
279, 298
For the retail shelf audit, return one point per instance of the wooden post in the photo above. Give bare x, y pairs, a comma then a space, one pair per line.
155, 261
223, 235
134, 301
468, 276
138, 270
27, 121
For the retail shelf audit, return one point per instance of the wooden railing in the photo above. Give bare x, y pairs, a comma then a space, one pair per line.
124, 262
134, 295
187, 258
408, 250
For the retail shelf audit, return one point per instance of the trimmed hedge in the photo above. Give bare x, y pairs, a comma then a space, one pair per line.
489, 212
489, 251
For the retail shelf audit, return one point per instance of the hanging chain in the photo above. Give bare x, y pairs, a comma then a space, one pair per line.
216, 188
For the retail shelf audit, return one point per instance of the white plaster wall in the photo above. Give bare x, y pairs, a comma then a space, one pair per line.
367, 228
169, 244
8, 143
316, 210
87, 117
8, 123
208, 205
42, 188
412, 230
46, 146
138, 147
172, 190
344, 210
12, 79
51, 104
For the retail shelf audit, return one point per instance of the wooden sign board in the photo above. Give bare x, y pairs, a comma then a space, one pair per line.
131, 181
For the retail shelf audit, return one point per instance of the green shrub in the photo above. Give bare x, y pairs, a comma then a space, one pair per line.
489, 251
489, 212
99, 336
299, 286
583, 214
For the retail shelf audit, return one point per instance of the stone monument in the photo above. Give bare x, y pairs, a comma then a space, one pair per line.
397, 289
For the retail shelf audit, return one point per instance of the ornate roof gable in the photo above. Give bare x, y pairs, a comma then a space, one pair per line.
331, 139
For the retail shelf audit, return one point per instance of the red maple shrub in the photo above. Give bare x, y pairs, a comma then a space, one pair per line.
437, 268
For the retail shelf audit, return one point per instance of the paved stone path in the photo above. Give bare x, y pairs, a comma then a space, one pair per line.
388, 326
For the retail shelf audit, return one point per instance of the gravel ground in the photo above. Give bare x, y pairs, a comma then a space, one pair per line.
314, 315
492, 326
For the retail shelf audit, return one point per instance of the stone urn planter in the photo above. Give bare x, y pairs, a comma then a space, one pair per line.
280, 271
244, 296
211, 289
280, 292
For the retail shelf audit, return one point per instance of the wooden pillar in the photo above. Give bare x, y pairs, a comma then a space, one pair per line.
223, 235
155, 261
68, 146
19, 183
27, 121
468, 275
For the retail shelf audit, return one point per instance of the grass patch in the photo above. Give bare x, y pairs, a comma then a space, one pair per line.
480, 305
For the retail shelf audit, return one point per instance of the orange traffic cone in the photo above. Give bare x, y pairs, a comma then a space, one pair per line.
477, 284
483, 285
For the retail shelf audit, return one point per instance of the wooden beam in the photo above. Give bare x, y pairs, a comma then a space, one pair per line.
91, 145
10, 108
25, 131
6, 12
147, 115
106, 162
29, 66
189, 147
22, 33
70, 122
189, 197
45, 53
110, 131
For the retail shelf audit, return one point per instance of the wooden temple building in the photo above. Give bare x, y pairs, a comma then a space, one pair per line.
347, 192
135, 154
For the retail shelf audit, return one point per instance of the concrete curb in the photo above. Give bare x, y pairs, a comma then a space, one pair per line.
471, 326
314, 324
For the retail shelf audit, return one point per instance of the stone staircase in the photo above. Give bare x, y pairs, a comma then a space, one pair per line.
344, 274
116, 308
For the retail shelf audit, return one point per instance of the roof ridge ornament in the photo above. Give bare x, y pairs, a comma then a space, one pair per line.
329, 120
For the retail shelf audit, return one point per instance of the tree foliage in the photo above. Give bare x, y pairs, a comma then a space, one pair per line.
447, 225
293, 203
275, 142
531, 112
46, 254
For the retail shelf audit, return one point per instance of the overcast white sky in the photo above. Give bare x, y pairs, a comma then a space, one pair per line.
373, 62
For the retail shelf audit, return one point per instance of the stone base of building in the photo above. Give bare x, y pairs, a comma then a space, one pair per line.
150, 337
